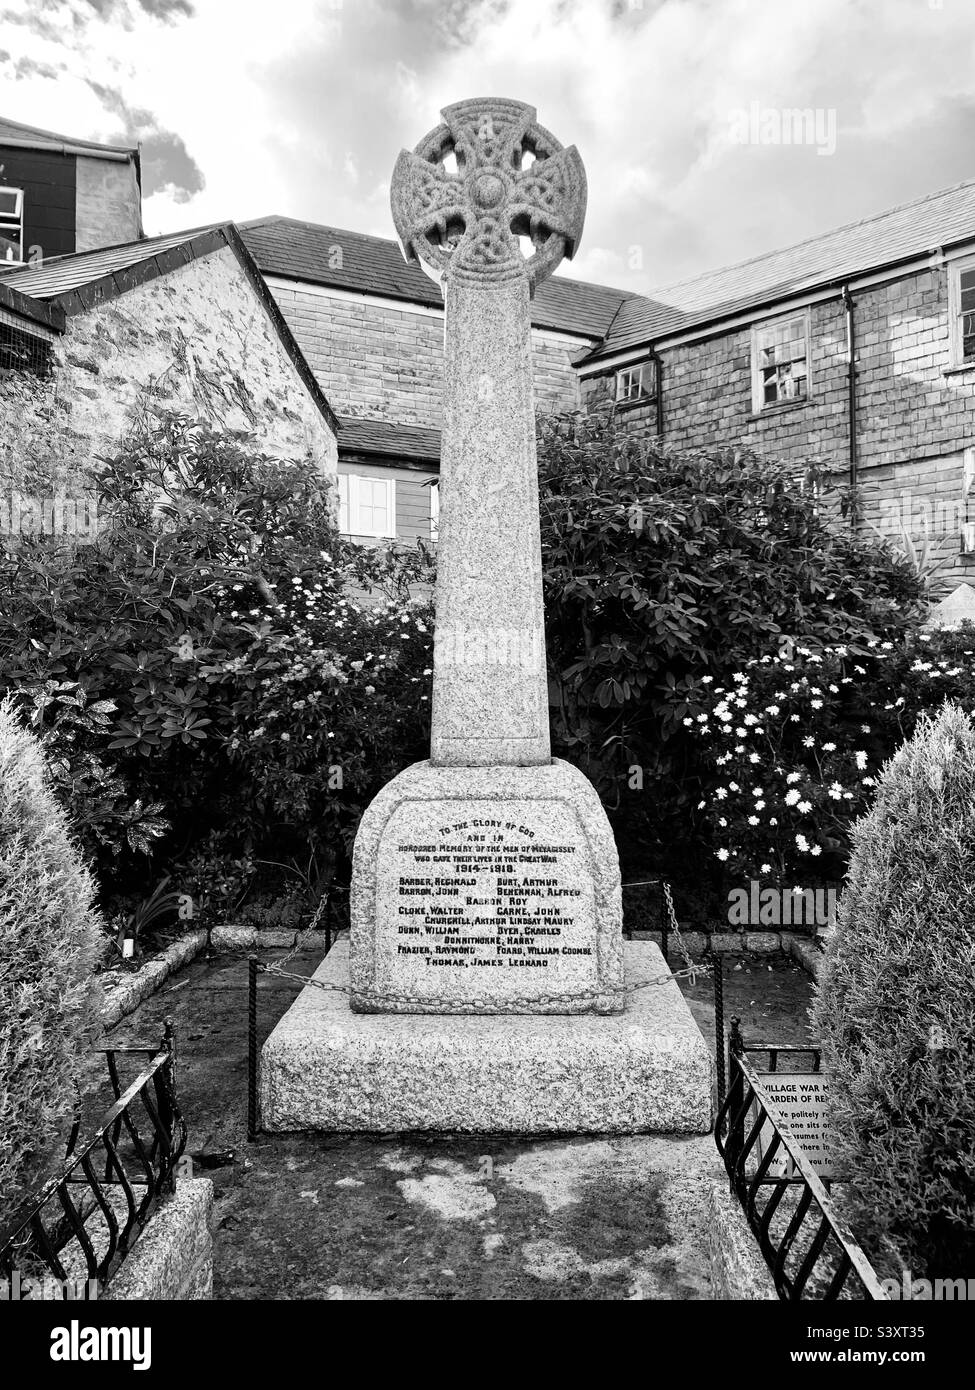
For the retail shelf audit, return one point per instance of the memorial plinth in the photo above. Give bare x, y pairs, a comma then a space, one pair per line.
484, 985
644, 1071
486, 890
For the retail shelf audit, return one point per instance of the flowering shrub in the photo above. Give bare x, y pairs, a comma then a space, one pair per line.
202, 672
663, 566
795, 742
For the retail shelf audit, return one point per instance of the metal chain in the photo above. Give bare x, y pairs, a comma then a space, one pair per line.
302, 932
692, 971
390, 997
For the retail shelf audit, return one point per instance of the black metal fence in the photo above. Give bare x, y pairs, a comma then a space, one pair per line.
810, 1252
78, 1228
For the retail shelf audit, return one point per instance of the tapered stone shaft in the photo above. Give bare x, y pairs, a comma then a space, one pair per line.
490, 703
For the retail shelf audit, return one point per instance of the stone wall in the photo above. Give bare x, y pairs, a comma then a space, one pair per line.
384, 362
108, 203
197, 338
915, 414
173, 1258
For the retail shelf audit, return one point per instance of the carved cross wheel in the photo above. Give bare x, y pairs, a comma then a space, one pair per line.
469, 222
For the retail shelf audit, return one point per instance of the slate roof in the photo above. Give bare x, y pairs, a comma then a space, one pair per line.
38, 139
80, 282
901, 233
61, 274
34, 310
306, 251
410, 443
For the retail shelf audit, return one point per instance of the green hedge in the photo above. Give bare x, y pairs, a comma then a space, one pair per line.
50, 942
895, 1009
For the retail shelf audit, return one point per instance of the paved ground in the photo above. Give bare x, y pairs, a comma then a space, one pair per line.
439, 1217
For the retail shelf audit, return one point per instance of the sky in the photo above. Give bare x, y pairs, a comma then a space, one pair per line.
679, 108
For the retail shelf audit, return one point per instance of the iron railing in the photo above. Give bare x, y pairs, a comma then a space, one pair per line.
810, 1252
76, 1239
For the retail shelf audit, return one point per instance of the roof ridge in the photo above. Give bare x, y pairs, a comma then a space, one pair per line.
147, 242
55, 136
255, 222
808, 241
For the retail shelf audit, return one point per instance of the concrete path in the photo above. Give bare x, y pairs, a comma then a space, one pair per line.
434, 1217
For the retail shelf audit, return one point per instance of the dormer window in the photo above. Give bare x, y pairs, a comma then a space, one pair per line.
11, 227
634, 384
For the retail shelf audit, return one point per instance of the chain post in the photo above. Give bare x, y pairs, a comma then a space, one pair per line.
251, 1048
717, 967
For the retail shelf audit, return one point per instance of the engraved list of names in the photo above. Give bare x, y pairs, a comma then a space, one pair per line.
499, 903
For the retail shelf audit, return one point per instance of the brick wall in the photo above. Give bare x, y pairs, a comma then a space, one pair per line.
381, 362
915, 415
108, 208
197, 338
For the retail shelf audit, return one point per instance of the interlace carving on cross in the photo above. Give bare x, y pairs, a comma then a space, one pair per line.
467, 224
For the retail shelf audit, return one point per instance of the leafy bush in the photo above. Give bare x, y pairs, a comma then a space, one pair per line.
202, 673
895, 1008
664, 568
50, 940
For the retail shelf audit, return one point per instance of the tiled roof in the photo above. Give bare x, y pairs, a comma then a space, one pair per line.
49, 140
410, 443
35, 310
61, 274
80, 282
374, 265
913, 229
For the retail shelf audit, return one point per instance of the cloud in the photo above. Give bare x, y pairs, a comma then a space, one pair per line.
302, 108
168, 167
169, 10
24, 67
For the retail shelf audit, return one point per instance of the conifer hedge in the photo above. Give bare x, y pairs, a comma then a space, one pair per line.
50, 941
895, 1009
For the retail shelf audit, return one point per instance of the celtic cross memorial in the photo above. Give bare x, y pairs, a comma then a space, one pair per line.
485, 879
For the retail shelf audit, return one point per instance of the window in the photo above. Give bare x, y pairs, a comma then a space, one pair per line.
962, 293
780, 362
367, 506
11, 226
435, 511
635, 384
22, 352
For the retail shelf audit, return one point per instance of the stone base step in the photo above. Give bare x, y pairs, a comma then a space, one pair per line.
647, 1070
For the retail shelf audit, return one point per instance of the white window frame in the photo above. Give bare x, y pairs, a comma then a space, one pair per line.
14, 221
640, 373
759, 402
435, 510
350, 505
956, 336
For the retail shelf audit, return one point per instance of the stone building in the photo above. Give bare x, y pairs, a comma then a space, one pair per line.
757, 353
59, 195
89, 341
371, 327
854, 351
